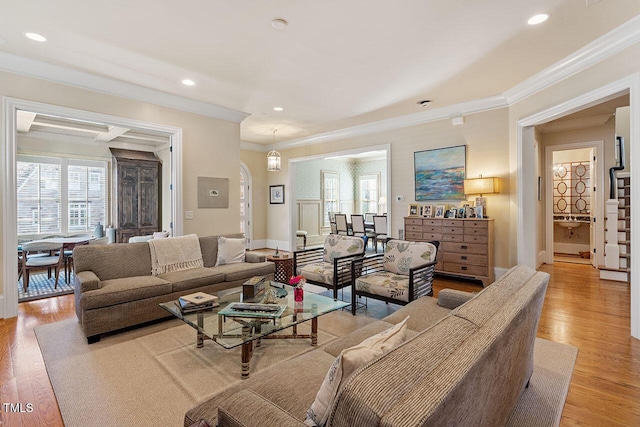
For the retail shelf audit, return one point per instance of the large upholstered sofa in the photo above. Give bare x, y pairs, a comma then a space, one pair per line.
466, 360
115, 287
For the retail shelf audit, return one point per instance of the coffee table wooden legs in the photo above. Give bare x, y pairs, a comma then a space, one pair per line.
314, 331
247, 350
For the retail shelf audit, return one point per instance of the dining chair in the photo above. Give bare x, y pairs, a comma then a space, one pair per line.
368, 217
334, 228
358, 229
381, 231
341, 224
68, 255
38, 261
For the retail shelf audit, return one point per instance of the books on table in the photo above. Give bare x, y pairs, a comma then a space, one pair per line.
197, 301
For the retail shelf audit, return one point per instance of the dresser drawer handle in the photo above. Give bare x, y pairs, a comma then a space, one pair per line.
463, 257
463, 247
464, 267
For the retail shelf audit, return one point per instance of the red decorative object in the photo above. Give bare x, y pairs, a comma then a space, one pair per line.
298, 294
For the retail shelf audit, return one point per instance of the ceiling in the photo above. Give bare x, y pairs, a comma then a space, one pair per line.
336, 65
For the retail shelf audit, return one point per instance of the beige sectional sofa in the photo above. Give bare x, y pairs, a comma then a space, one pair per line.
467, 359
115, 288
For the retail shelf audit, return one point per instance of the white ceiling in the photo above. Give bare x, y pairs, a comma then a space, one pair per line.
337, 64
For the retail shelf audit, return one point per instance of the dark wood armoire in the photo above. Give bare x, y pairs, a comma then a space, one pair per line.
137, 186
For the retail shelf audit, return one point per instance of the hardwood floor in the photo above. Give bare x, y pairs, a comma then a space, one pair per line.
579, 309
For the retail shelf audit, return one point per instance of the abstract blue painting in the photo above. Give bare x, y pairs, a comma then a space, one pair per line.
440, 173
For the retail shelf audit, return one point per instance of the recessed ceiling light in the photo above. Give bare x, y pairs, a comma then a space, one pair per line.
188, 82
278, 108
538, 19
279, 24
35, 37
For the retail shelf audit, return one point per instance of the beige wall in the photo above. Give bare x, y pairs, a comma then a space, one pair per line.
256, 162
610, 70
486, 137
210, 146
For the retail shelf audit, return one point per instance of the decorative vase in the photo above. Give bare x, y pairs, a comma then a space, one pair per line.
98, 231
298, 294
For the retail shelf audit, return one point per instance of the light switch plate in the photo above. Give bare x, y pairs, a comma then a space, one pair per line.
188, 214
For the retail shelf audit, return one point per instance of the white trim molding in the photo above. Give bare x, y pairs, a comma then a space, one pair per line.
55, 73
609, 44
9, 148
526, 225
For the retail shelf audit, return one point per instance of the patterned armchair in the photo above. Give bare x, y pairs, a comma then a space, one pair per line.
329, 266
402, 274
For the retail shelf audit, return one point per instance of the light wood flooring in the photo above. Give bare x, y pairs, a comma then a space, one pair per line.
579, 309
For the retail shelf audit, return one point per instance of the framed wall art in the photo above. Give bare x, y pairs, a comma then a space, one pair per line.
440, 173
276, 194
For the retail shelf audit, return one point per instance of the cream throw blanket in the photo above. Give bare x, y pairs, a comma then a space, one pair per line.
175, 254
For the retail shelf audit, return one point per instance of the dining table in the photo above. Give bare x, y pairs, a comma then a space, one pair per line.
68, 243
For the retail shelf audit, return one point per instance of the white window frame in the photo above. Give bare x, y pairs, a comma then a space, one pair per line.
325, 176
361, 201
65, 208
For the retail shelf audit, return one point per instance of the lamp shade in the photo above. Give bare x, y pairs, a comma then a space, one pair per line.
481, 185
273, 161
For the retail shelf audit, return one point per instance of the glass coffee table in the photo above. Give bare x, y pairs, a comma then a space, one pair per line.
232, 328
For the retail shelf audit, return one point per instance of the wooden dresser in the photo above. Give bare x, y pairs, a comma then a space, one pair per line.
466, 245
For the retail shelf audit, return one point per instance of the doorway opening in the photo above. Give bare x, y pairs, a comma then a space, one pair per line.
362, 180
75, 133
574, 175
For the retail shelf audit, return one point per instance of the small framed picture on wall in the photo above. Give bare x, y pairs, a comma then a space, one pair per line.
276, 194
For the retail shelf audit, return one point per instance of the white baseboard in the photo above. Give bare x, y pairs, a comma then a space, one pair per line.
280, 244
542, 257
1, 306
258, 244
618, 276
570, 248
499, 272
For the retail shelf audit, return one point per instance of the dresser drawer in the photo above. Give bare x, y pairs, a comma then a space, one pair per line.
476, 239
462, 248
432, 222
466, 259
476, 270
412, 235
431, 229
432, 236
476, 224
452, 238
413, 221
417, 228
451, 223
452, 230
475, 231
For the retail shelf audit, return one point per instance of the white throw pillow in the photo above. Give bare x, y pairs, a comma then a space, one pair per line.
230, 251
160, 234
347, 362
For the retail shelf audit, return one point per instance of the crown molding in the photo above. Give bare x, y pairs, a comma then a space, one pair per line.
609, 44
414, 119
42, 70
254, 146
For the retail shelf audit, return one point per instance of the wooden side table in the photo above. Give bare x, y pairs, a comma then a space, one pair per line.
284, 267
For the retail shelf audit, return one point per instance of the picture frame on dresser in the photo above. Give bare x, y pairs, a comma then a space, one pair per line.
414, 209
440, 209
452, 213
480, 212
427, 211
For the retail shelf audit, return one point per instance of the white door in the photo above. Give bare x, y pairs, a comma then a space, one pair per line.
593, 205
245, 204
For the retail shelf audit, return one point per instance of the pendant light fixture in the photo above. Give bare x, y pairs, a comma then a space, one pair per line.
273, 158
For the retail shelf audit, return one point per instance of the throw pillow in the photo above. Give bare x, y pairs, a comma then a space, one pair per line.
401, 256
347, 362
230, 251
160, 234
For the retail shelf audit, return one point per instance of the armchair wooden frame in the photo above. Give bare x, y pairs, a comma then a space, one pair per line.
341, 267
420, 279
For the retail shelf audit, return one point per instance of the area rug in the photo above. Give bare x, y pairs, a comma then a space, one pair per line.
154, 374
42, 287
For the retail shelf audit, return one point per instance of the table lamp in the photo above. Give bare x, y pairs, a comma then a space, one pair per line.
481, 186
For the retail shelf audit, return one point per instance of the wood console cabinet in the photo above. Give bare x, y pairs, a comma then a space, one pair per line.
136, 176
466, 245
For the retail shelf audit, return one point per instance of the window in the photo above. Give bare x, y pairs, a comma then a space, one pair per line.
330, 195
60, 196
368, 185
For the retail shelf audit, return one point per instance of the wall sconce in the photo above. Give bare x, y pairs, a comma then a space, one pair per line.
274, 162
482, 186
